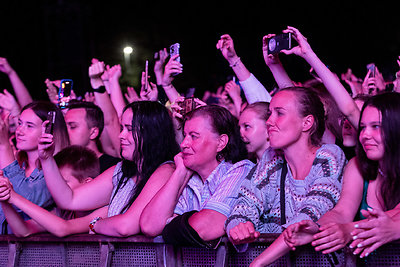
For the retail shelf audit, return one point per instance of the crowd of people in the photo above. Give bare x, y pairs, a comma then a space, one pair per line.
315, 161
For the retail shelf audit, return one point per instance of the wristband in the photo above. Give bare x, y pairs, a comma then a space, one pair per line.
235, 63
101, 89
93, 222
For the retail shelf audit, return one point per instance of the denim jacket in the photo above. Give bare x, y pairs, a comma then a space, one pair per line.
32, 188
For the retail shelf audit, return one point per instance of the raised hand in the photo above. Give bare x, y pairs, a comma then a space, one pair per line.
131, 95
46, 144
5, 66
96, 70
303, 47
172, 68
270, 59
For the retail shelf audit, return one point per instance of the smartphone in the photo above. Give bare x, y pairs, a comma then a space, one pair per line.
146, 71
64, 92
187, 105
372, 68
174, 50
279, 42
51, 117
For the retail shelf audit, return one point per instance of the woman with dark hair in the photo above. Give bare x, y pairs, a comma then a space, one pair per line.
296, 178
371, 186
147, 148
24, 170
201, 191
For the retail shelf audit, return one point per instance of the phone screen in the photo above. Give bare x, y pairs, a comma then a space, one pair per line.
51, 117
64, 92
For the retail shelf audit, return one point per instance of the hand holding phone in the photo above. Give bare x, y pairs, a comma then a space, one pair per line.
64, 92
174, 50
51, 117
279, 42
146, 76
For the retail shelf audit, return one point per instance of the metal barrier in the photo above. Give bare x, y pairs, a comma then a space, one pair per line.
96, 250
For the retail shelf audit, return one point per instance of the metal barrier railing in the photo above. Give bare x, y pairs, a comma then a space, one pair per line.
96, 250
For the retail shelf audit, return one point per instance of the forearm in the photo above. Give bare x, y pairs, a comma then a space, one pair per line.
171, 92
241, 72
20, 90
117, 226
202, 220
18, 225
276, 250
111, 120
116, 97
155, 215
59, 189
280, 75
342, 98
6, 155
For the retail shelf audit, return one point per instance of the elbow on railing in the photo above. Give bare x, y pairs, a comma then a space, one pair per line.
150, 228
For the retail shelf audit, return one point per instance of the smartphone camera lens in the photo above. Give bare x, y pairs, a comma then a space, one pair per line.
272, 44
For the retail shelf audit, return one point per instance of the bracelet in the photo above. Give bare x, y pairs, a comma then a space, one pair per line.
319, 226
93, 222
235, 64
101, 89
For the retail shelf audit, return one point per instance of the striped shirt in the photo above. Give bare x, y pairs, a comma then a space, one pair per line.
308, 199
219, 191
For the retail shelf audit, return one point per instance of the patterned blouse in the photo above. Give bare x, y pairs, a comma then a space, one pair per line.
308, 199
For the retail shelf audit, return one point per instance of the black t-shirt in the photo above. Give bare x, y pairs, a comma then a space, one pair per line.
106, 161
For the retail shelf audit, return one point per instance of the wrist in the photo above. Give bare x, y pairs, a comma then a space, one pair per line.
92, 224
96, 82
234, 61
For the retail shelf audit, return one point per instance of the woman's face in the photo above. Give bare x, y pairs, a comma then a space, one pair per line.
126, 135
371, 133
200, 144
284, 125
29, 131
253, 131
349, 133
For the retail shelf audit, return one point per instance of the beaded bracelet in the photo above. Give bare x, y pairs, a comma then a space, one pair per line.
93, 222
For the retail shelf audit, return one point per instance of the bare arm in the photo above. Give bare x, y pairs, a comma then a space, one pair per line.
274, 64
20, 90
342, 98
154, 217
127, 224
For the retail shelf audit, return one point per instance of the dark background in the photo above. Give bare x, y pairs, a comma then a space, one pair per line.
57, 39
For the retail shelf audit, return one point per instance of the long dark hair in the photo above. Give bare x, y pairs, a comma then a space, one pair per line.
388, 104
155, 144
223, 122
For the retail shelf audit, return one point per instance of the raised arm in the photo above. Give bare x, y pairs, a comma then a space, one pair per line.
20, 90
274, 64
127, 224
252, 88
342, 98
111, 120
112, 75
172, 68
6, 152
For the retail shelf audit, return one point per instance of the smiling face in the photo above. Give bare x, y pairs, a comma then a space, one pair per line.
126, 135
253, 131
29, 131
371, 133
285, 125
200, 145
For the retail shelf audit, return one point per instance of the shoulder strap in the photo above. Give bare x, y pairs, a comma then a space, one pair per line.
282, 192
